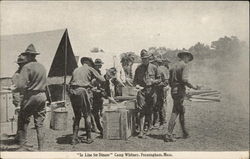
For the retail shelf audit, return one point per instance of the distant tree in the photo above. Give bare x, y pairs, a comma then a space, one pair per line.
200, 50
228, 46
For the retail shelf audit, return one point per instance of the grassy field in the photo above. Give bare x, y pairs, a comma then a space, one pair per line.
213, 126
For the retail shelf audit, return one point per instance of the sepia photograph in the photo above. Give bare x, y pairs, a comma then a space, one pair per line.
124, 79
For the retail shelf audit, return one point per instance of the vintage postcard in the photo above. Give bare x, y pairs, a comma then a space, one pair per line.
124, 79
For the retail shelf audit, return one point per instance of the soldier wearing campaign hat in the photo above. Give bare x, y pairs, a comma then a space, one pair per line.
178, 81
81, 96
31, 84
98, 65
97, 100
16, 95
145, 79
159, 112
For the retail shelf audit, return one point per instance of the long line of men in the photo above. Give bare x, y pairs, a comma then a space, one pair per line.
88, 88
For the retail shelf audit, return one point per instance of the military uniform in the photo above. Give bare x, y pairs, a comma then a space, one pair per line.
178, 78
103, 91
82, 98
146, 76
31, 83
17, 96
146, 98
178, 81
161, 95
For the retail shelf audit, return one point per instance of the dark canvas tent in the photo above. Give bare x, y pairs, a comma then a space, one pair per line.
56, 53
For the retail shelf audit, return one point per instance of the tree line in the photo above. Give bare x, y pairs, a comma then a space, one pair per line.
223, 48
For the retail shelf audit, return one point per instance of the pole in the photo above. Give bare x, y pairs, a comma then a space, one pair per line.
114, 62
65, 66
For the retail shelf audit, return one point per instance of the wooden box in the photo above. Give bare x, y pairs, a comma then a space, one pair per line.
8, 128
129, 91
118, 124
7, 109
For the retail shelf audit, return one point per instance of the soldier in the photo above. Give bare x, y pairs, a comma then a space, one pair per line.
102, 91
178, 80
17, 96
146, 77
97, 100
98, 65
159, 112
81, 96
31, 83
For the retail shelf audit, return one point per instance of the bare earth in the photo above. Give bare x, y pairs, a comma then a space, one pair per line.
213, 126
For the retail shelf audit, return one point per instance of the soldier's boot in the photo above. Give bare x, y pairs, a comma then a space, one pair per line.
155, 119
93, 124
75, 139
23, 146
18, 139
184, 130
169, 136
25, 136
89, 139
40, 138
162, 116
101, 132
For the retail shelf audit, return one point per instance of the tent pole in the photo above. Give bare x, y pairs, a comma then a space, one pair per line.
65, 67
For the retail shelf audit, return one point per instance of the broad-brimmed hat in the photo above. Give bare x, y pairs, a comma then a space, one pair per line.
31, 50
185, 53
112, 72
98, 62
87, 59
144, 54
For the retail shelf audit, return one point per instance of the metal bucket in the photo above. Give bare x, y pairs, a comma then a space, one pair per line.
59, 117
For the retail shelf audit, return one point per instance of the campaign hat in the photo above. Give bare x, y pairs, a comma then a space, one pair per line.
145, 54
30, 50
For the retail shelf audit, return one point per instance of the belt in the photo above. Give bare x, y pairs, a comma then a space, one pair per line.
76, 86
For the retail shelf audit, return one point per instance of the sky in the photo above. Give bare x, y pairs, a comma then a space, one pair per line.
118, 27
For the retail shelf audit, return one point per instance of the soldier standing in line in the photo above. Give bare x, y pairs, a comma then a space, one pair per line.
17, 96
81, 96
146, 77
178, 80
31, 83
103, 91
160, 112
97, 100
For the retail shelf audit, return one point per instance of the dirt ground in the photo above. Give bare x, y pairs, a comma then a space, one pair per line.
213, 126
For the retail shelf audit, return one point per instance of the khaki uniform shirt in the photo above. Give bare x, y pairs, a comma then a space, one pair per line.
146, 75
32, 77
82, 76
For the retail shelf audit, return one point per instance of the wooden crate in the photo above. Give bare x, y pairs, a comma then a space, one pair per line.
118, 124
130, 104
7, 108
8, 128
129, 91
